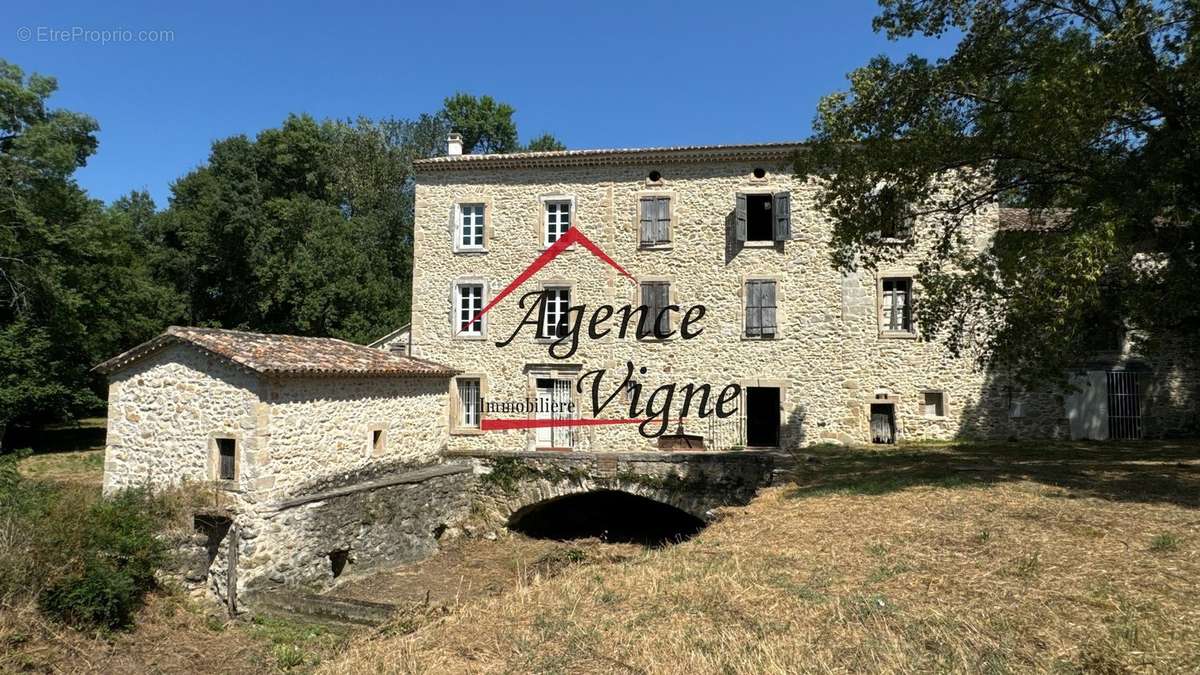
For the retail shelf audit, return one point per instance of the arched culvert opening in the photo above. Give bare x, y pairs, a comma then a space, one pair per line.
609, 515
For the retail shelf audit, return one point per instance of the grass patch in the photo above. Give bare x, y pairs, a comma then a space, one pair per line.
1164, 543
829, 576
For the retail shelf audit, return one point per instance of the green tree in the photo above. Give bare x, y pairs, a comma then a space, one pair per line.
74, 284
545, 142
486, 125
1083, 111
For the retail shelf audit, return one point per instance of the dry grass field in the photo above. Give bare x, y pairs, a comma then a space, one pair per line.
1007, 558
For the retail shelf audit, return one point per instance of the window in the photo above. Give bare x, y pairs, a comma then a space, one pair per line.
763, 217
655, 218
934, 404
469, 231
760, 309
554, 312
656, 322
558, 220
895, 314
895, 218
468, 302
226, 459
470, 403
378, 441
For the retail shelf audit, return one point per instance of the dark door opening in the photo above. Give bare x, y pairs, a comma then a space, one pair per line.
608, 515
883, 423
762, 417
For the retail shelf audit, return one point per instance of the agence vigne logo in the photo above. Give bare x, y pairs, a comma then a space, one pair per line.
652, 417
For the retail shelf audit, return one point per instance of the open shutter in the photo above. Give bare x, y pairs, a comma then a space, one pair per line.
783, 216
753, 312
740, 218
663, 223
768, 305
647, 212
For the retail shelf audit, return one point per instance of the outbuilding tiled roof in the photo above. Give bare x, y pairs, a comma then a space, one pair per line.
285, 354
680, 154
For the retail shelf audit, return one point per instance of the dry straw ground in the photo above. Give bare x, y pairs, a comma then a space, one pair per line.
1007, 558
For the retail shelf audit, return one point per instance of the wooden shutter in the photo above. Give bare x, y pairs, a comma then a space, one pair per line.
647, 213
664, 299
646, 323
783, 216
753, 308
662, 230
767, 294
740, 218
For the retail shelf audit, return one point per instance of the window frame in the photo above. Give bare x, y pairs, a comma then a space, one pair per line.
775, 196
544, 313
745, 332
671, 220
456, 410
215, 458
924, 403
458, 226
881, 304
544, 217
671, 300
456, 298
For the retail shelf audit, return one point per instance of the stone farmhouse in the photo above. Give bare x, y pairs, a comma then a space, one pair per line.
327, 454
821, 356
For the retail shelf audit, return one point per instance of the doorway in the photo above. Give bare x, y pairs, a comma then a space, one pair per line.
883, 423
553, 402
1124, 406
762, 417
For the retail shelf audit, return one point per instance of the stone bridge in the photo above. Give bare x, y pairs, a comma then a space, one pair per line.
693, 482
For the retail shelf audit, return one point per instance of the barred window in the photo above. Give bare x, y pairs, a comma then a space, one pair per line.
470, 402
896, 305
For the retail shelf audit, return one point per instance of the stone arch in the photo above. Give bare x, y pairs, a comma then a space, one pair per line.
530, 492
610, 514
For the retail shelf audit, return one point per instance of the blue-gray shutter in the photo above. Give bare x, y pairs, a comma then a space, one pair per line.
646, 322
647, 212
768, 305
740, 218
663, 224
664, 299
783, 216
753, 311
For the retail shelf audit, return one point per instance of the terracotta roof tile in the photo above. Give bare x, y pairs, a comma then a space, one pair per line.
285, 354
778, 151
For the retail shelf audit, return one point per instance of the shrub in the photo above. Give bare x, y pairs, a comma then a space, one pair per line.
88, 560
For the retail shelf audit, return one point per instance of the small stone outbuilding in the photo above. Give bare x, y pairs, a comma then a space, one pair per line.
294, 433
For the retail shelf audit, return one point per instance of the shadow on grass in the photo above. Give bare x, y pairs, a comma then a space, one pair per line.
1167, 472
85, 434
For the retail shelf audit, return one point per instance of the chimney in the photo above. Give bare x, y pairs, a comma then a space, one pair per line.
454, 145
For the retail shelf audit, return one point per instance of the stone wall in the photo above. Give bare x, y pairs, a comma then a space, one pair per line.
829, 358
365, 524
323, 428
164, 411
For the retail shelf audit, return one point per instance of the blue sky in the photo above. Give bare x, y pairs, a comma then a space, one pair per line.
601, 74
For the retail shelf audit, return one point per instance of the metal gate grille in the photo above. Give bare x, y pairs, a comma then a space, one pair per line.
1124, 411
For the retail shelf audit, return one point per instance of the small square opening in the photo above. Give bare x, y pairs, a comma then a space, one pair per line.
934, 404
759, 224
338, 560
377, 441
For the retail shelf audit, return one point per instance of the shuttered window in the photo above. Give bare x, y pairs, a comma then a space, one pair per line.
656, 295
655, 220
554, 313
896, 305
760, 309
763, 217
469, 403
468, 302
